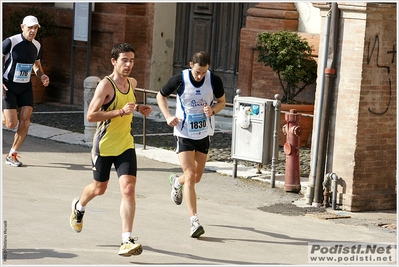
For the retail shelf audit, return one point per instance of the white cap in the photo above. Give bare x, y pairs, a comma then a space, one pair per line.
30, 21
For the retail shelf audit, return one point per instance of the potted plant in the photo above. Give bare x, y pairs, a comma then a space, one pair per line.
48, 28
287, 54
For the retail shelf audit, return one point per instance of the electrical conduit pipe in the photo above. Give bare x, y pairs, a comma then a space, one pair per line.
315, 143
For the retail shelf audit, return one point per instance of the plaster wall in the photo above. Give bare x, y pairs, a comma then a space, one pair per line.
163, 40
309, 17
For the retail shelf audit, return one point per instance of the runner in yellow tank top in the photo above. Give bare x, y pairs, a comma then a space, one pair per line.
114, 136
112, 107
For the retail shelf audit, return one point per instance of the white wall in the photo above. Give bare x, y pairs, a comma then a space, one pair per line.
309, 17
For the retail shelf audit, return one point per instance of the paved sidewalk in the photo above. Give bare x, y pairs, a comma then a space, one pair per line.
158, 154
36, 203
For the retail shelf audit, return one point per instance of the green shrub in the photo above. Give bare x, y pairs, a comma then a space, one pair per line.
290, 57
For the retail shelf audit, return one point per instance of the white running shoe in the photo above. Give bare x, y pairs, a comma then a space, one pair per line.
196, 229
177, 193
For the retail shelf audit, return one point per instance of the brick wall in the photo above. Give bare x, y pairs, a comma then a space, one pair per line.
362, 142
255, 79
111, 24
363, 127
375, 173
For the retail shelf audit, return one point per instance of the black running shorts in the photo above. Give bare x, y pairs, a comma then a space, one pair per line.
18, 95
186, 144
125, 164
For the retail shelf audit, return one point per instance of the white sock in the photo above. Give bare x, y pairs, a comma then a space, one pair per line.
177, 184
12, 151
79, 207
126, 236
192, 218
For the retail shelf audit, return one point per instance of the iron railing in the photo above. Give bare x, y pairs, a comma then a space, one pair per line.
145, 92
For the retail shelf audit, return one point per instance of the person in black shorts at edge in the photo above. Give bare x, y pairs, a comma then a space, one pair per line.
112, 107
21, 56
193, 124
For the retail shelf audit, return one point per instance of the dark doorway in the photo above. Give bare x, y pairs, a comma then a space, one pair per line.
214, 28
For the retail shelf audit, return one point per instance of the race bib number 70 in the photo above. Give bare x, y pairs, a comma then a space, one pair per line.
22, 73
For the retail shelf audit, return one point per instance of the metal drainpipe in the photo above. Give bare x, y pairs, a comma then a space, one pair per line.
327, 184
334, 189
312, 177
326, 111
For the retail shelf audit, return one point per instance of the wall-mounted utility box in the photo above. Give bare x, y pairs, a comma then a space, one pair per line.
253, 129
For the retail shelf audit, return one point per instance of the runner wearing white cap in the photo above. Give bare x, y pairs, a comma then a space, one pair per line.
21, 56
30, 21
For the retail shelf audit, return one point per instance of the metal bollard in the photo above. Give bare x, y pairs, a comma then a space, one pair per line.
89, 84
277, 109
291, 149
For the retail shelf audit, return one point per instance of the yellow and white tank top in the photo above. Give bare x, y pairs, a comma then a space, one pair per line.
114, 136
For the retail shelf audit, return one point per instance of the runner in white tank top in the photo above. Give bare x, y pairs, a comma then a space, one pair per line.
193, 125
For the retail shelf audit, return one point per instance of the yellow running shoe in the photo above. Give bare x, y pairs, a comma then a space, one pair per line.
76, 220
129, 248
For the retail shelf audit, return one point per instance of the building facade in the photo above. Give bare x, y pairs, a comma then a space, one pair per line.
362, 132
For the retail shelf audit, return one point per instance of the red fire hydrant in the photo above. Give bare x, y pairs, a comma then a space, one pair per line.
292, 130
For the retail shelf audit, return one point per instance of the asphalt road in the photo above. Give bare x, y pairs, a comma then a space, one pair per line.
36, 201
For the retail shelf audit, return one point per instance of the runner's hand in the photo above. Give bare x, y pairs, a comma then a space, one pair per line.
129, 108
207, 110
172, 121
45, 80
4, 89
145, 110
